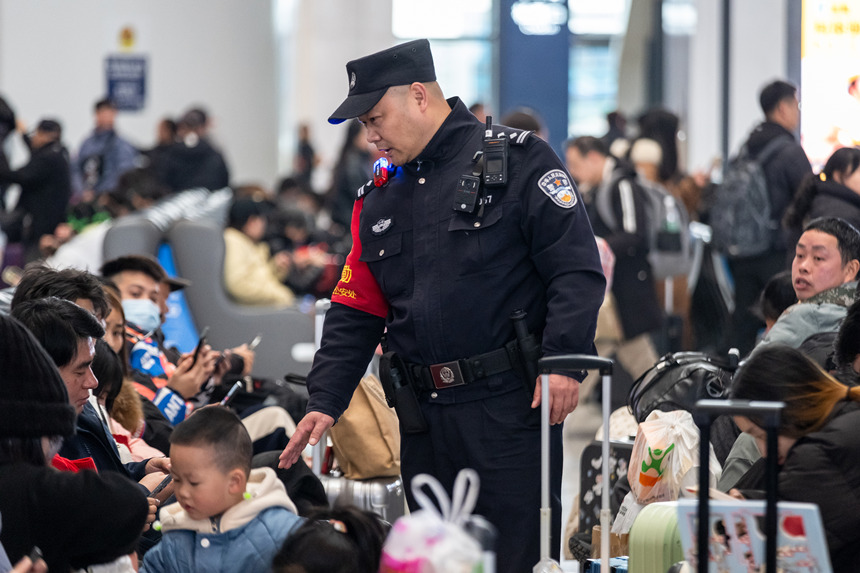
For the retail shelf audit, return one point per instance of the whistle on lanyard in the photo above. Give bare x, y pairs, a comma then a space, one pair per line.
382, 171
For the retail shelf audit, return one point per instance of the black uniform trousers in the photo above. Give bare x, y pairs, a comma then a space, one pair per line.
499, 437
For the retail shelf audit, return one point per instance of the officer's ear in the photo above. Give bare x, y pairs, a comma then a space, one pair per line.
418, 94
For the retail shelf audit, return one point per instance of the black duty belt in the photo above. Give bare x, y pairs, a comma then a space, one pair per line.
466, 370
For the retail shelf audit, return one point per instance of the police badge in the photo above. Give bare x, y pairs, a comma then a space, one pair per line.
557, 186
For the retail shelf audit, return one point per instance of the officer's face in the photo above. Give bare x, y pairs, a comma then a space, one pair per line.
392, 125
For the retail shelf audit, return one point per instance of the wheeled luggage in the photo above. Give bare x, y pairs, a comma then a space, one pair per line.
572, 362
769, 413
382, 495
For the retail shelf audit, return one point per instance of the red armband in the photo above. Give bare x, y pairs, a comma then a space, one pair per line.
357, 288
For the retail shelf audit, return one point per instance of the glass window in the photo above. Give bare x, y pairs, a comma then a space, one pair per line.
460, 35
450, 19
593, 86
598, 30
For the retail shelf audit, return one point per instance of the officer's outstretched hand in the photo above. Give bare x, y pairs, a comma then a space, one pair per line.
309, 430
563, 397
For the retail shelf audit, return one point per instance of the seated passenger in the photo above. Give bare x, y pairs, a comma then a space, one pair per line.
227, 516
167, 384
76, 519
824, 276
68, 334
819, 447
251, 275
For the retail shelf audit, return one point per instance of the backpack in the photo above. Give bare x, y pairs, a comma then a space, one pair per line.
741, 217
669, 246
677, 381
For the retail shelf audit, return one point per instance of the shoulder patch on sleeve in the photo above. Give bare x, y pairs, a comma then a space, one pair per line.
557, 186
364, 190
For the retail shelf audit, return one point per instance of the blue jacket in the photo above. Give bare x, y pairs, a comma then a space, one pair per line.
245, 539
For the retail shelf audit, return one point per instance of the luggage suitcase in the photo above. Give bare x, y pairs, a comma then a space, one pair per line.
384, 495
591, 481
381, 495
769, 413
570, 362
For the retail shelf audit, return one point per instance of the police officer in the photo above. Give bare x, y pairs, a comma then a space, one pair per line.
442, 277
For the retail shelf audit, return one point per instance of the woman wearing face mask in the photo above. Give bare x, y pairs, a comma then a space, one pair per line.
835, 192
819, 447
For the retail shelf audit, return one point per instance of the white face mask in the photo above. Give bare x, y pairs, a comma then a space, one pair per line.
142, 313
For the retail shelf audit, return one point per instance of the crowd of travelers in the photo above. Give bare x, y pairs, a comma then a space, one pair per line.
115, 449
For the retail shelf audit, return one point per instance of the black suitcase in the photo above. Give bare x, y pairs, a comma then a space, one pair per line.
769, 412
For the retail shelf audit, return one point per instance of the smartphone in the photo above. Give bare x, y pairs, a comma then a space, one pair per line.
160, 486
229, 396
200, 344
254, 343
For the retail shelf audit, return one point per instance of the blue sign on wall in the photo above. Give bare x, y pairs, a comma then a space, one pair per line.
126, 81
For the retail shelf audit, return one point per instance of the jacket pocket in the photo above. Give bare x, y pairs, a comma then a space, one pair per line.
388, 264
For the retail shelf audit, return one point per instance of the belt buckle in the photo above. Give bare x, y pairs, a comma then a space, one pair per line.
447, 375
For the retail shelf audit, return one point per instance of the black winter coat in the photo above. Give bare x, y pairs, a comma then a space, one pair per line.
186, 167
824, 468
46, 188
784, 172
91, 441
76, 519
831, 200
633, 281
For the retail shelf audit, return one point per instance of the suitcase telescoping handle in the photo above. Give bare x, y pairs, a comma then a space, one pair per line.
564, 363
769, 414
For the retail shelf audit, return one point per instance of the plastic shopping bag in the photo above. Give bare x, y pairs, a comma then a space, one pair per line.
434, 541
665, 459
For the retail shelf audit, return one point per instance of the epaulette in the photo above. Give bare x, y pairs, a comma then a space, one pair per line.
364, 190
515, 136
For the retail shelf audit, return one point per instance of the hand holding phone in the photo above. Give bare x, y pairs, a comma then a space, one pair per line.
232, 392
160, 486
200, 344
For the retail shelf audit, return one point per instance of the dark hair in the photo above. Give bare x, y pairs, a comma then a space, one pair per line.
344, 539
103, 103
776, 296
847, 343
223, 431
140, 182
194, 119
107, 368
243, 209
58, 325
39, 281
523, 118
587, 143
50, 126
780, 373
662, 126
844, 160
140, 263
774, 93
847, 236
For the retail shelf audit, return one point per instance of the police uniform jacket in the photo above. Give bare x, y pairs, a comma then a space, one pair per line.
443, 282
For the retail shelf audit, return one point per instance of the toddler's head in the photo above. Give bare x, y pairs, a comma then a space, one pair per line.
344, 539
210, 458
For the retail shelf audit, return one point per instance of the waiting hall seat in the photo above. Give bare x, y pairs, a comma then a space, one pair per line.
198, 250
